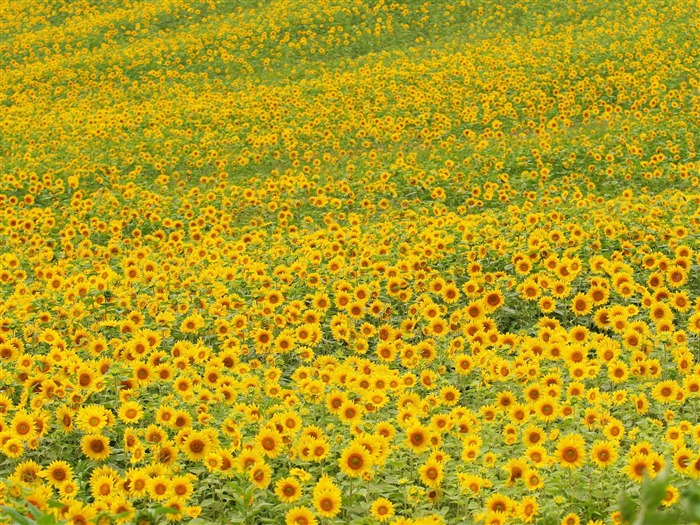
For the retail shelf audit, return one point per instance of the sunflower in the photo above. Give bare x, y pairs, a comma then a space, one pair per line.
58, 473
682, 459
136, 482
640, 402
196, 445
300, 516
581, 304
102, 486
92, 418
212, 461
546, 409
504, 400
604, 453
431, 473
23, 426
326, 498
470, 483
492, 301
386, 351
599, 294
537, 454
270, 442
570, 451
350, 412
515, 469
500, 503
694, 323
165, 415
130, 412
614, 429
533, 479
691, 385
527, 509
80, 513
463, 364
27, 472
660, 312
529, 289
560, 289
68, 490
158, 488
601, 318
450, 293
247, 458
335, 400
155, 434
638, 465
181, 486
288, 490
356, 309
533, 393
618, 371
263, 338
6, 404
437, 327
319, 449
260, 474
121, 505
143, 372
385, 429
474, 311
671, 496
571, 519
417, 438
183, 387
382, 509
355, 460
547, 304
96, 447
449, 395
665, 391
191, 324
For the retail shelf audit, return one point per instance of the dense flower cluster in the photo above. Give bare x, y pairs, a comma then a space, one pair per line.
310, 263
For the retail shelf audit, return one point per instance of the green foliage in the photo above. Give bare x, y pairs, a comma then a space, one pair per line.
647, 508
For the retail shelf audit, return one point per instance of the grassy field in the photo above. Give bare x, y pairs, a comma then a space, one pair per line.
349, 262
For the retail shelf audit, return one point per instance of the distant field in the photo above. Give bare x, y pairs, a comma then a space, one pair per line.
323, 263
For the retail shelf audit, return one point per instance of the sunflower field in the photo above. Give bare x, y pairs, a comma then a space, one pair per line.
348, 261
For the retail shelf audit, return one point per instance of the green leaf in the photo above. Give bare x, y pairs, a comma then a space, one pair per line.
653, 492
693, 509
19, 518
691, 498
46, 519
660, 518
628, 508
248, 494
35, 512
261, 505
165, 510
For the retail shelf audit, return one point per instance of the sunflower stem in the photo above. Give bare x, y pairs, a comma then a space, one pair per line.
245, 509
590, 491
602, 485
663, 369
